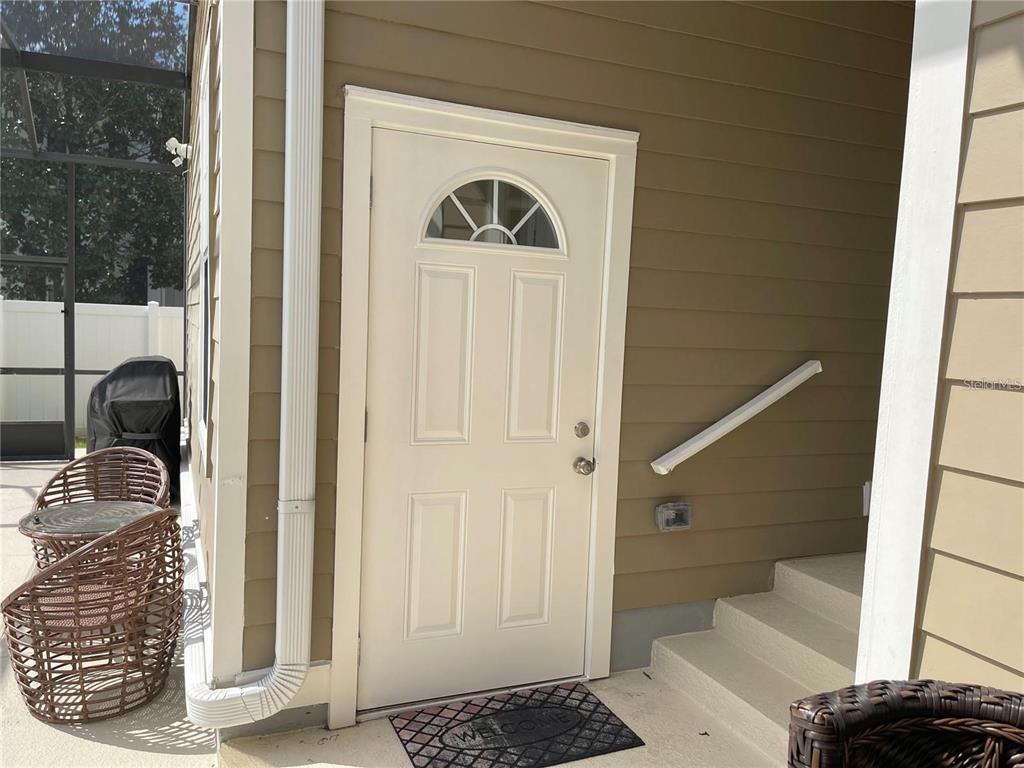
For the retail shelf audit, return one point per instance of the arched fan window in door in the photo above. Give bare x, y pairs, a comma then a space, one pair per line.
493, 211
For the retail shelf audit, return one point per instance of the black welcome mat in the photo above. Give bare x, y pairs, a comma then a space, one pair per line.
526, 729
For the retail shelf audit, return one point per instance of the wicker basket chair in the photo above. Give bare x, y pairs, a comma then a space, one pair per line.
121, 473
93, 635
908, 724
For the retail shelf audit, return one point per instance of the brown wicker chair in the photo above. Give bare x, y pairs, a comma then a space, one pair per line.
908, 724
121, 473
93, 635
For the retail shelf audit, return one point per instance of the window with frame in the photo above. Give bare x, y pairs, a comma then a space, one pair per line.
493, 211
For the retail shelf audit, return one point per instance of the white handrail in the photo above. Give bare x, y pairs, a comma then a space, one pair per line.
665, 464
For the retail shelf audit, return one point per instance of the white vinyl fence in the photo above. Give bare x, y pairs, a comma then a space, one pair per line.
32, 336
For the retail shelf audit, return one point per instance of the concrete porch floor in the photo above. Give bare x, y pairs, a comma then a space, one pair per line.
153, 736
676, 733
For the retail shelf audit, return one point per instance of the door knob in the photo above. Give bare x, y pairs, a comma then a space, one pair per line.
583, 466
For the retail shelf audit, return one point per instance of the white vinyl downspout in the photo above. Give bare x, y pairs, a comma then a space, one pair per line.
275, 687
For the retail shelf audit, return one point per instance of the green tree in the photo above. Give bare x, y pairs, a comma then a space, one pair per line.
130, 222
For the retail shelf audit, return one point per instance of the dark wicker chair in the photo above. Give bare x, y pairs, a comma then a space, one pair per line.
93, 635
121, 473
908, 724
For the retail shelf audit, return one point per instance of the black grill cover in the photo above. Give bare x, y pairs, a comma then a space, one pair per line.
137, 404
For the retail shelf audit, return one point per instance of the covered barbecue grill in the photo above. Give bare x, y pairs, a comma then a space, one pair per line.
137, 404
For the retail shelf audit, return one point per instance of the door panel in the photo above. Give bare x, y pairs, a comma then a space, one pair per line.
525, 588
444, 353
482, 356
535, 350
436, 566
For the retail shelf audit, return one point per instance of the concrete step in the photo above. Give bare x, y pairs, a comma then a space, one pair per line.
802, 644
744, 692
828, 585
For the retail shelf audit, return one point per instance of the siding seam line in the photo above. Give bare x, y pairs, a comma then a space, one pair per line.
975, 654
1019, 484
779, 12
617, 19
810, 521
613, 63
882, 251
856, 488
799, 206
976, 564
614, 107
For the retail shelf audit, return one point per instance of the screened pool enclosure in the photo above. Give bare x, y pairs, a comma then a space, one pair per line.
91, 206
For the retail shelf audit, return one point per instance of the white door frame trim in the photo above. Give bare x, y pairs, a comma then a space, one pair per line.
366, 109
913, 341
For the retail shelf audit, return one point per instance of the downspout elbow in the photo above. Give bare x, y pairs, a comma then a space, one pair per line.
274, 688
225, 707
272, 691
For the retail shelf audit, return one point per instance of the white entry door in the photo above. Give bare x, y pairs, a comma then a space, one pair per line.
484, 322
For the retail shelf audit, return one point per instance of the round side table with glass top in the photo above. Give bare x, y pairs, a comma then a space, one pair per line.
59, 530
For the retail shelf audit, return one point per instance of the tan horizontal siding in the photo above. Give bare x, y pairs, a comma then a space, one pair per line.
258, 641
731, 255
640, 554
741, 510
641, 442
989, 252
760, 29
665, 289
982, 431
987, 11
681, 212
941, 654
400, 48
957, 593
744, 367
686, 405
979, 519
889, 20
687, 585
998, 70
261, 571
746, 474
971, 607
767, 181
662, 133
987, 338
568, 32
754, 183
701, 329
260, 599
994, 157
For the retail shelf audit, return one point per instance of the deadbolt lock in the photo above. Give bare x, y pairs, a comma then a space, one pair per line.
582, 429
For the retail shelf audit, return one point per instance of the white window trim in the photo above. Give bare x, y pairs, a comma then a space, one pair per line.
913, 343
366, 109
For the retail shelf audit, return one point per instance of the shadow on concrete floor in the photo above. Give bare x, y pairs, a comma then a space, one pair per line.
155, 735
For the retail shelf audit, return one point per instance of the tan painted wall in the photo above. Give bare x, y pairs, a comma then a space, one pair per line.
971, 613
199, 193
765, 212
